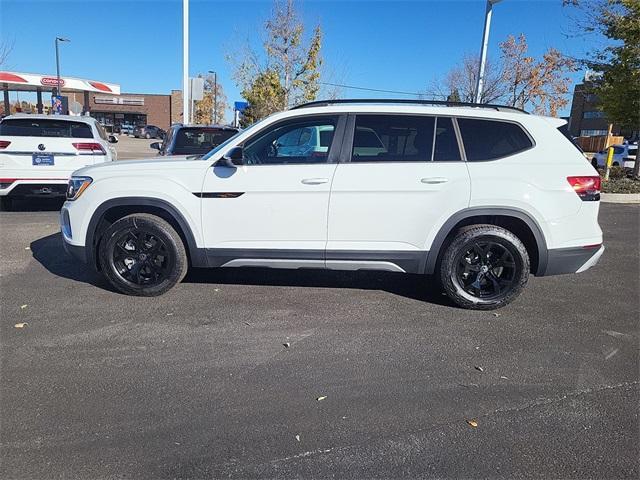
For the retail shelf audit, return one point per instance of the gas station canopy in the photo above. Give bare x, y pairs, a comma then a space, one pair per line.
33, 82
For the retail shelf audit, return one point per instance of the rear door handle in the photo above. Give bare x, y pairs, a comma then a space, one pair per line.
315, 181
434, 180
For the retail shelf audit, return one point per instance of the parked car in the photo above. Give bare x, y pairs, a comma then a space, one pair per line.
148, 131
481, 197
38, 153
193, 139
620, 156
126, 129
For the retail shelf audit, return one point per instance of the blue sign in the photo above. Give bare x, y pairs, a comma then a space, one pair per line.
56, 105
240, 106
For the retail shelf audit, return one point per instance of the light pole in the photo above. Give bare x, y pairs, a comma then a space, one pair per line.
186, 97
483, 49
215, 96
59, 39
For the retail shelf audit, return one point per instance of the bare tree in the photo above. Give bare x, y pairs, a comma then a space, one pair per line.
6, 48
288, 72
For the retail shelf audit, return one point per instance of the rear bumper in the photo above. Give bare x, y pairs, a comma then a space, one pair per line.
35, 187
572, 260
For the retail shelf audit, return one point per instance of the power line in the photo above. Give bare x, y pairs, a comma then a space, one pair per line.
416, 94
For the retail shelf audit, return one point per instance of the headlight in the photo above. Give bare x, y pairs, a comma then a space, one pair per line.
77, 185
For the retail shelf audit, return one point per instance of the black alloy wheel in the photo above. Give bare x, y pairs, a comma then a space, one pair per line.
142, 254
484, 267
486, 270
140, 257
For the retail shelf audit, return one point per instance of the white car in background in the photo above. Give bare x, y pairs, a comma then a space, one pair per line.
38, 153
620, 156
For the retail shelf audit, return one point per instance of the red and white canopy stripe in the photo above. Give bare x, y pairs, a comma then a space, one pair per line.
30, 82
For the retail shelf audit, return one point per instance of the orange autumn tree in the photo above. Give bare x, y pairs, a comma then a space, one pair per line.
543, 84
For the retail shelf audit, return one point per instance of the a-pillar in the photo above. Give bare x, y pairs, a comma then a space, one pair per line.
39, 104
7, 105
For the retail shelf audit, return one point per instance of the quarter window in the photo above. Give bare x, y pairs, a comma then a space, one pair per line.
490, 139
301, 141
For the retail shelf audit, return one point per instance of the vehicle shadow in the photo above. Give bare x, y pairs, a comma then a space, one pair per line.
50, 253
36, 204
415, 287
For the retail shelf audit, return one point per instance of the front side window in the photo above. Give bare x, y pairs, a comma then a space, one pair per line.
23, 127
491, 139
393, 138
297, 141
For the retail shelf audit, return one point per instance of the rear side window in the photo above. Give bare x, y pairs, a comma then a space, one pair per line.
393, 138
37, 127
404, 138
490, 139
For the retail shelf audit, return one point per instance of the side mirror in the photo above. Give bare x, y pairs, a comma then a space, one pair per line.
113, 139
232, 159
156, 146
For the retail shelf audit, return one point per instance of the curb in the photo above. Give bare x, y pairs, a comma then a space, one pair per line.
633, 198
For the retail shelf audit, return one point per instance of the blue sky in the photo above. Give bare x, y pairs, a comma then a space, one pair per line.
393, 45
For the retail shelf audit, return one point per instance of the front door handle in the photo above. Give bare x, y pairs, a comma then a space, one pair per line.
315, 181
434, 180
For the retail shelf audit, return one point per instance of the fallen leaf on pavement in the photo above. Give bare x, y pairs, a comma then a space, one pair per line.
286, 345
216, 289
22, 307
473, 423
298, 437
21, 325
480, 369
319, 399
497, 314
504, 378
27, 248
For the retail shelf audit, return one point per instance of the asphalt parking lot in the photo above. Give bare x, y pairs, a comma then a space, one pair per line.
130, 148
199, 384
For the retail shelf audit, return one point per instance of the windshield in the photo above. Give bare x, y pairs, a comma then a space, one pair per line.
199, 140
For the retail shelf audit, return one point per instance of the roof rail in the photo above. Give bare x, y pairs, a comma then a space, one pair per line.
322, 103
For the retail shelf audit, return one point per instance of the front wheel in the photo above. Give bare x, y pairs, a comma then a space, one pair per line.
485, 267
142, 255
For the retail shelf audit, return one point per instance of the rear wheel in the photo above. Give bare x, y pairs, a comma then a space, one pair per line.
484, 267
142, 255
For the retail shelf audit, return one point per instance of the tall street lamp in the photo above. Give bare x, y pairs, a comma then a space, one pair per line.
483, 49
215, 96
59, 39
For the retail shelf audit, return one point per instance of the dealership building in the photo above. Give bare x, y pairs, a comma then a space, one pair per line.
102, 100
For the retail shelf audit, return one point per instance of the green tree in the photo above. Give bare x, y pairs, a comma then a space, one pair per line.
618, 64
287, 73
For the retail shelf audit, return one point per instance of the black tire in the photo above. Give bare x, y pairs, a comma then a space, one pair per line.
142, 255
484, 267
6, 204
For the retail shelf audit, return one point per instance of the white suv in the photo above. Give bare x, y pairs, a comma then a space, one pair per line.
38, 153
480, 196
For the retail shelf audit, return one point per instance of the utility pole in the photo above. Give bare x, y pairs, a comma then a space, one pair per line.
483, 49
186, 94
58, 88
215, 96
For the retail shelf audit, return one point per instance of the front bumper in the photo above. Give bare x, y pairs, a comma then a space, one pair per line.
573, 260
79, 252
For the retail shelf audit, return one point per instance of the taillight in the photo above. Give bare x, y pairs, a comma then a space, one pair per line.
587, 188
4, 144
89, 148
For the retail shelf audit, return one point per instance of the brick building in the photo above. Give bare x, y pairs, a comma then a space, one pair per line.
135, 108
585, 119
